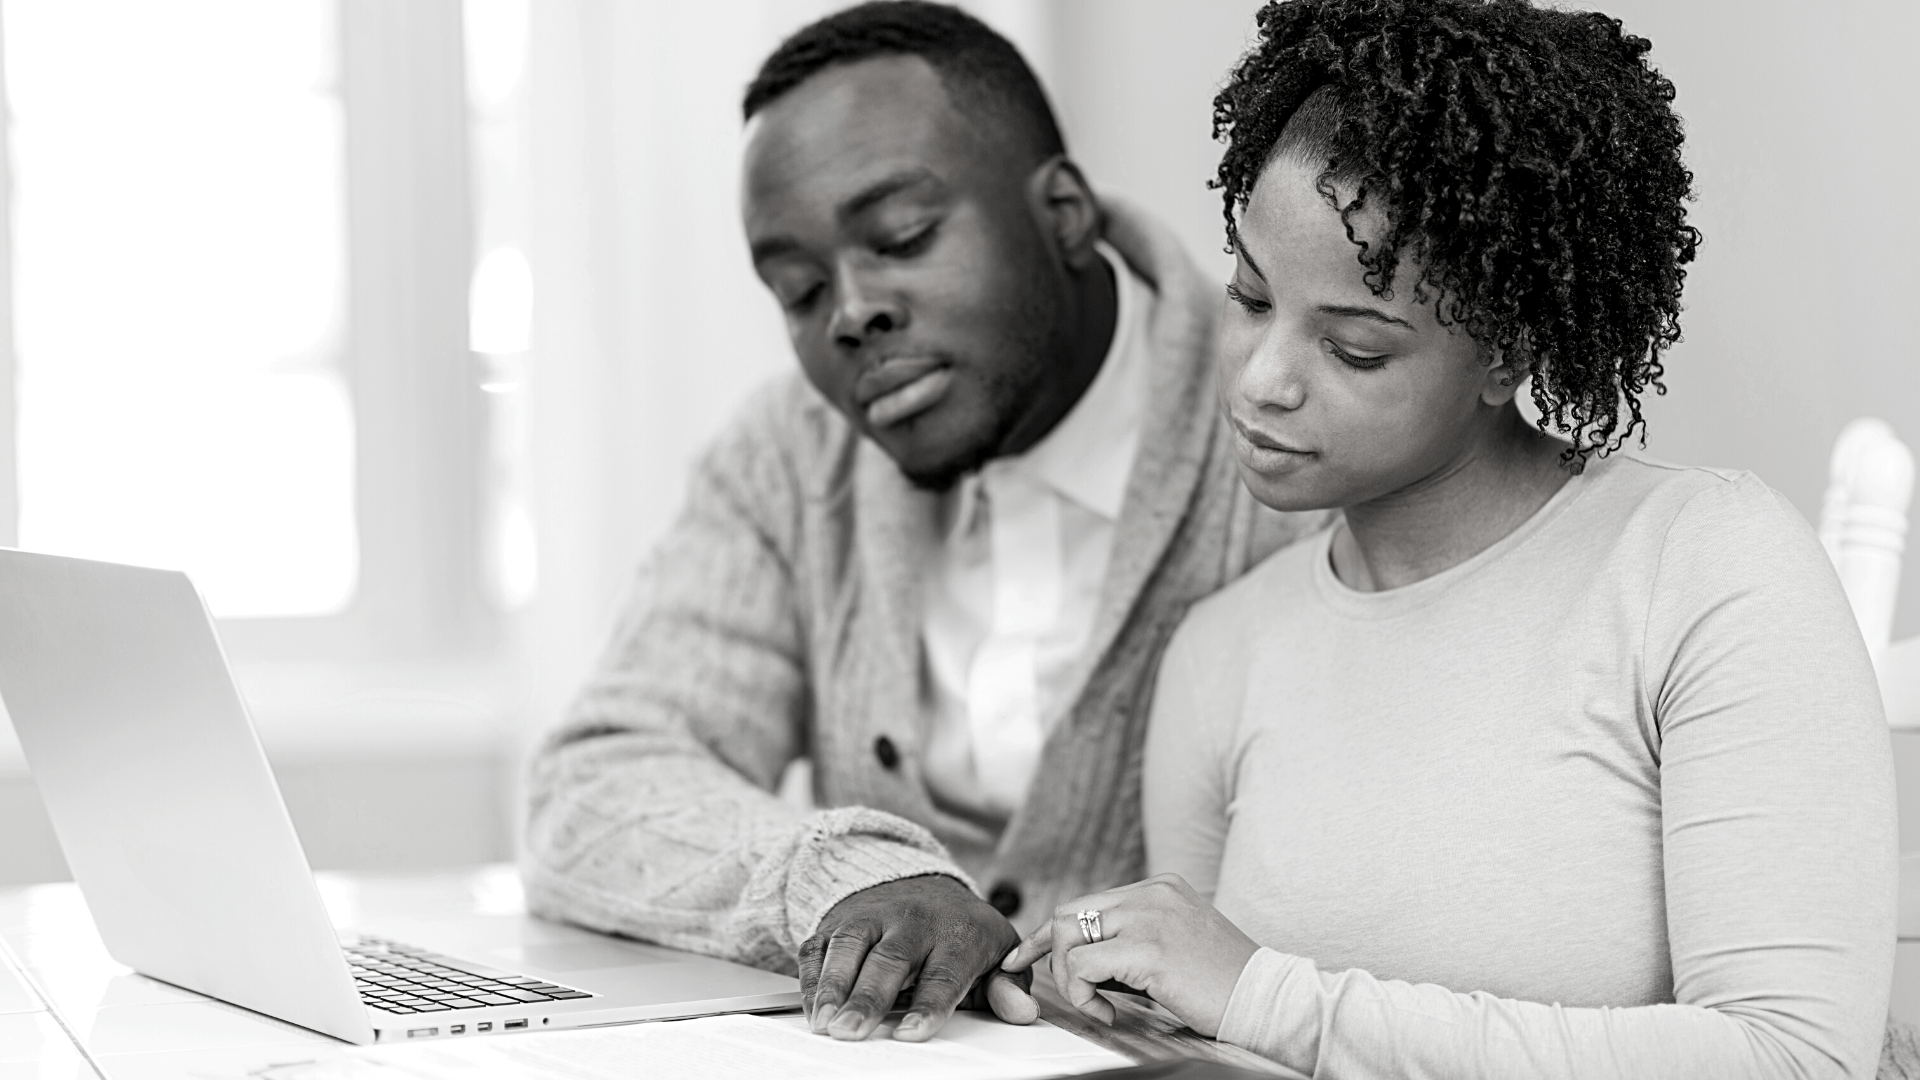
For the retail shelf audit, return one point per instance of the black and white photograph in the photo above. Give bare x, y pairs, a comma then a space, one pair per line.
959, 540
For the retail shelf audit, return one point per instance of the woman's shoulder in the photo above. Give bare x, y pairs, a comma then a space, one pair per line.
1686, 505
1276, 584
1725, 554
1636, 477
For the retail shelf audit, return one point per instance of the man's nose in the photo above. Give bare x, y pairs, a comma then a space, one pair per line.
864, 309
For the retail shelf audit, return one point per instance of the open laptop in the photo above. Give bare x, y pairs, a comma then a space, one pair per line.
175, 830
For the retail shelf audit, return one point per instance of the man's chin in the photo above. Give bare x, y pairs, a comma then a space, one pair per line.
938, 447
943, 478
939, 472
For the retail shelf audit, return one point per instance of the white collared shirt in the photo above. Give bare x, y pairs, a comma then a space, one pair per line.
1012, 592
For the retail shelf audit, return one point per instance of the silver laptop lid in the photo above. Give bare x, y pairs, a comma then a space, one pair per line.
159, 792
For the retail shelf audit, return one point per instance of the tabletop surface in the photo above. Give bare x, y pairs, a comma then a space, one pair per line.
68, 1011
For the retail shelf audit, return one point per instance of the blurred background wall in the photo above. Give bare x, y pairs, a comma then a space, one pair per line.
547, 309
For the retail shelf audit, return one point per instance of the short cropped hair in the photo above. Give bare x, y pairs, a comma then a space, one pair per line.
1528, 158
982, 72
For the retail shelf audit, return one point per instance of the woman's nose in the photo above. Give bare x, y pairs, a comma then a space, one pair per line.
1275, 374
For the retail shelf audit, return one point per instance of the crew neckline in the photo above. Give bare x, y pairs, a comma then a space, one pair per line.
1386, 603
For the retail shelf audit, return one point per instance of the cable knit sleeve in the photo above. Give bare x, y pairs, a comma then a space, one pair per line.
651, 809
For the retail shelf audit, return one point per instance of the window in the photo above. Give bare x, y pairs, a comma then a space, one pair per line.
241, 255
179, 259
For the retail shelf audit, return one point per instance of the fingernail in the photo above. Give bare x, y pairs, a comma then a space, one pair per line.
846, 1022
1008, 959
910, 1024
823, 1016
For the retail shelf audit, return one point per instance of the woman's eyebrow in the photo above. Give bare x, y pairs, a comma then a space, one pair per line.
1241, 250
1344, 311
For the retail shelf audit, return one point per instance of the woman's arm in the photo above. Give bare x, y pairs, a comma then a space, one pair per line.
1183, 788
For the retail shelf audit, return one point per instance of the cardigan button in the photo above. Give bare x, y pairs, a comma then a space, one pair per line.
1005, 898
884, 750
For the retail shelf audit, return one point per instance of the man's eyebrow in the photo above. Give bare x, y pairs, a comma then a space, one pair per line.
862, 201
884, 188
1345, 311
767, 249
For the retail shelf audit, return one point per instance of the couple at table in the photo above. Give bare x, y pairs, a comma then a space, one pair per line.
1245, 647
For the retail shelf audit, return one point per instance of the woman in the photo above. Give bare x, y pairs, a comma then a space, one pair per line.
1544, 761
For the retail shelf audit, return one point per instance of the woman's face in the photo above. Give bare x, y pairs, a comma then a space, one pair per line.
1337, 396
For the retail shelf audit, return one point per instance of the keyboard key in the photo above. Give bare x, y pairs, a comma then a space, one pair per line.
431, 1006
406, 974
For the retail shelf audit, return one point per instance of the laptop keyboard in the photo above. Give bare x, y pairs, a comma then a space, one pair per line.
398, 978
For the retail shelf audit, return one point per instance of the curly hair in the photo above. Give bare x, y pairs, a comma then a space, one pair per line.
981, 71
1527, 158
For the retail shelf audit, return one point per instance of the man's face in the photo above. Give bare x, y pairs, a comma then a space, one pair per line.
921, 293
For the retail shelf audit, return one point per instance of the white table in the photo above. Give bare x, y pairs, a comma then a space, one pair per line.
69, 1012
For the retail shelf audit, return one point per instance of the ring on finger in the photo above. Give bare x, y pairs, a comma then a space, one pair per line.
1090, 927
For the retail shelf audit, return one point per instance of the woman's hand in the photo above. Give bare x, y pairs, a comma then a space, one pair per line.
1157, 935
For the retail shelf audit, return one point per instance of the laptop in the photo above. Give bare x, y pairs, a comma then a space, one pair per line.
174, 828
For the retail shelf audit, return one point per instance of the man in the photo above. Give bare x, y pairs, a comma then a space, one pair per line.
942, 566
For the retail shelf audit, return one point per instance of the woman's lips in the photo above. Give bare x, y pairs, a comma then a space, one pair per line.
1263, 452
896, 390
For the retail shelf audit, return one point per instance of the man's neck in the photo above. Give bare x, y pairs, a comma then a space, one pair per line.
1448, 518
1096, 305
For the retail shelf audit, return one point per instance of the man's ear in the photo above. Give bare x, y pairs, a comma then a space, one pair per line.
1063, 202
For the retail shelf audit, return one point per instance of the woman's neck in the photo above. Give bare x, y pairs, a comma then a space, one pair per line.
1453, 514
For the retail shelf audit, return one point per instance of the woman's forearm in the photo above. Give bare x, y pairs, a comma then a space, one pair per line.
1351, 1026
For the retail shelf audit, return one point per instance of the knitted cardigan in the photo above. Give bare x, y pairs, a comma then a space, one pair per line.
780, 618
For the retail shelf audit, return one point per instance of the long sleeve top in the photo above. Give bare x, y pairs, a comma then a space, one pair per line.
781, 618
1612, 798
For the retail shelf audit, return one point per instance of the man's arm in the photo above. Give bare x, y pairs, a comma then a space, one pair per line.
652, 812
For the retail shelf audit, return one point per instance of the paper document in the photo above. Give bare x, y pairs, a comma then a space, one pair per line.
970, 1047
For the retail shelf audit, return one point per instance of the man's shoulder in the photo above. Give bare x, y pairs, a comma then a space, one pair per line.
784, 432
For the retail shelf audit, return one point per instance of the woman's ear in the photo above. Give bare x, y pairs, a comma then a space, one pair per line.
1504, 373
1067, 210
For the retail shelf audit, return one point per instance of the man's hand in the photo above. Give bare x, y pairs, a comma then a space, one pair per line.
930, 932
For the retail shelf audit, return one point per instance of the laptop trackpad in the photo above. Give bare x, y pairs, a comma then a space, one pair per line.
585, 955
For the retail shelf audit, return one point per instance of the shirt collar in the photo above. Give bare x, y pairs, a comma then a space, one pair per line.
1088, 455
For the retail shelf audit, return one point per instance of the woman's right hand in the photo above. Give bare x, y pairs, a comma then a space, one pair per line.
1158, 935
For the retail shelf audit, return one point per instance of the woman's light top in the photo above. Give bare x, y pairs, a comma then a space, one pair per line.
1631, 754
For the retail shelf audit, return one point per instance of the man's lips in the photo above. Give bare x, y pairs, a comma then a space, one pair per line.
898, 388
